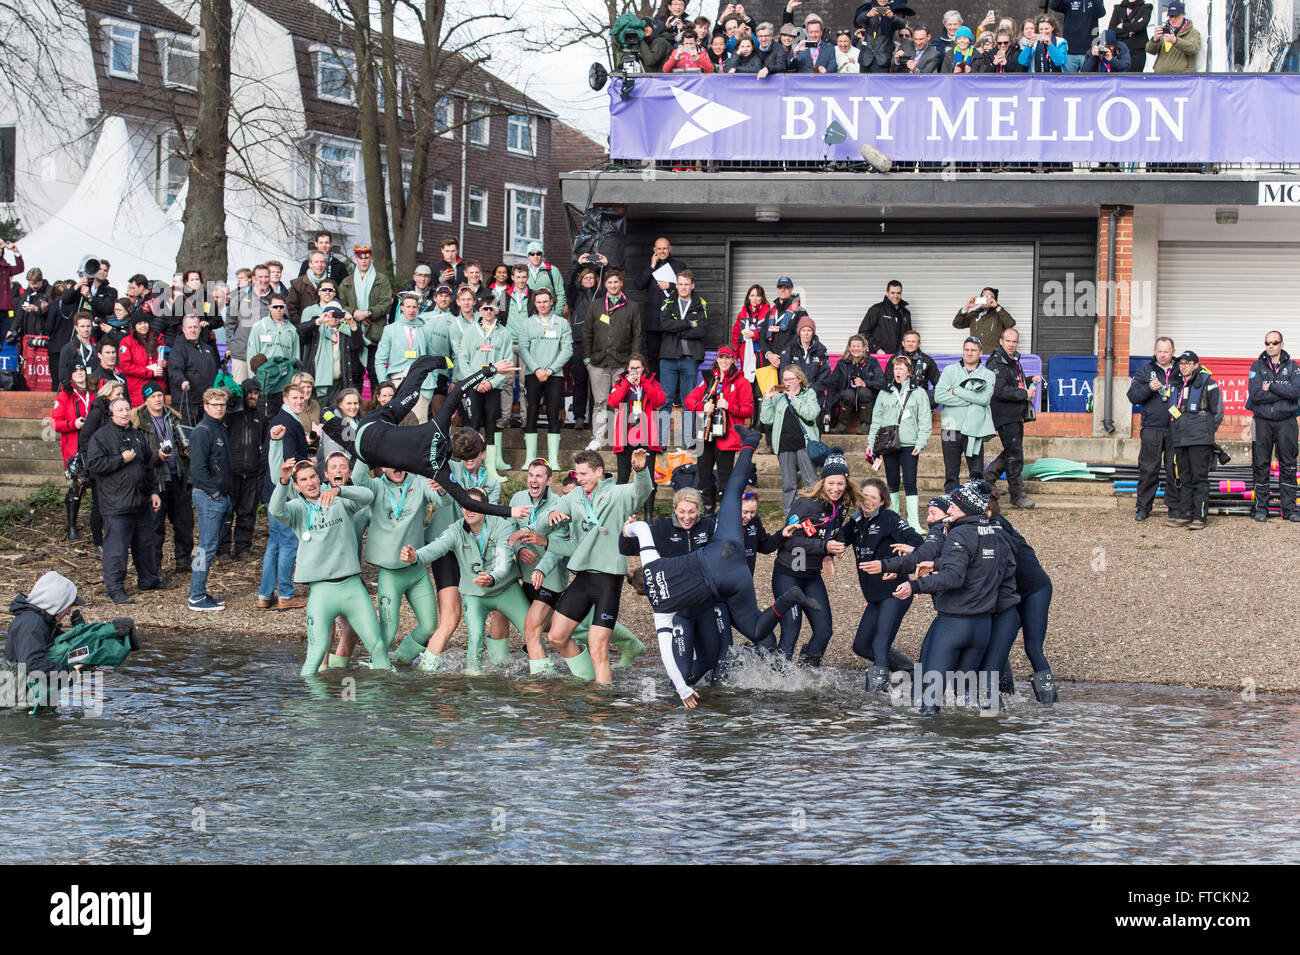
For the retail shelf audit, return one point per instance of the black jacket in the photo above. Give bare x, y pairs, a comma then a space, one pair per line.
799, 547
1200, 418
876, 46
1282, 400
295, 446
247, 430
846, 371
162, 476
977, 559
773, 58
929, 549
1154, 404
197, 363
885, 324
683, 331
1030, 576
1010, 391
671, 539
337, 269
30, 636
96, 418
813, 361
123, 487
871, 539
652, 297
925, 372
71, 353
758, 541
210, 457
777, 330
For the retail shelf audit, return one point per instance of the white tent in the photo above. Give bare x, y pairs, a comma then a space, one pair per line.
113, 214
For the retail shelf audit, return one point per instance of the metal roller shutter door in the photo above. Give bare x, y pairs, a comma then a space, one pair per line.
839, 282
1192, 309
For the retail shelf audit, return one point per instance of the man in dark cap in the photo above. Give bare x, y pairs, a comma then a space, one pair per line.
245, 423
169, 457
1108, 55
1197, 413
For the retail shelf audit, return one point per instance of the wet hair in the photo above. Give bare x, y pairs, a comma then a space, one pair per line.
467, 444
689, 494
881, 488
592, 459
477, 493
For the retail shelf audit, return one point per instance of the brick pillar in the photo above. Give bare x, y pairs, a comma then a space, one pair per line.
1120, 314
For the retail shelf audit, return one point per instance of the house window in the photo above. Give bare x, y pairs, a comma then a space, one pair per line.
8, 162
406, 178
334, 186
525, 209
479, 128
121, 49
444, 115
381, 98
179, 56
333, 76
519, 135
440, 206
478, 206
171, 169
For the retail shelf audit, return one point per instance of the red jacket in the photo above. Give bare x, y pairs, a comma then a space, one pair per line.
68, 407
131, 362
7, 272
645, 433
740, 403
679, 60
743, 321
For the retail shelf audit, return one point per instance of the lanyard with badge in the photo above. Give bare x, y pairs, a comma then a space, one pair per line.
397, 503
312, 510
410, 342
548, 331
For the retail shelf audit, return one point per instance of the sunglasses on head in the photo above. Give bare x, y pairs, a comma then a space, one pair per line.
749, 496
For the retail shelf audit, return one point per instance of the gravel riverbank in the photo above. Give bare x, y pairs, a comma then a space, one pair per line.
1132, 603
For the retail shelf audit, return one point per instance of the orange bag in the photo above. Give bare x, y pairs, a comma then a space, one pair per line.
666, 464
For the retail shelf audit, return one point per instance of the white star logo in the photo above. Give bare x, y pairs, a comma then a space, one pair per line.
705, 117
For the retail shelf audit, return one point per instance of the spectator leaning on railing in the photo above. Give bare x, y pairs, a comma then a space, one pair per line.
1175, 43
771, 52
960, 57
816, 55
926, 56
1003, 57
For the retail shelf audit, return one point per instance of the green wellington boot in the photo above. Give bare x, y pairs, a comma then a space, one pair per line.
429, 662
337, 662
629, 647
581, 666
893, 502
553, 449
498, 651
914, 514
541, 666
530, 448
409, 650
498, 461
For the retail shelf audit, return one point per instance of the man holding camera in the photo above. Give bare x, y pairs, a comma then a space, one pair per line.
874, 30
1108, 55
168, 453
1275, 402
1176, 43
985, 318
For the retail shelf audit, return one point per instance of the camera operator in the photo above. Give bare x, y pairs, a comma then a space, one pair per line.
92, 293
1176, 43
646, 49
168, 454
985, 318
1108, 55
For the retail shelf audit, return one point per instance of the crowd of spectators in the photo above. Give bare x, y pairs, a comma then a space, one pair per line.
885, 37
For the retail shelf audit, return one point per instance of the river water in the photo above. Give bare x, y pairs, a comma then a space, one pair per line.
217, 752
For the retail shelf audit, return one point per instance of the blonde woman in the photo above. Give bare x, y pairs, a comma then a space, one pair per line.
792, 411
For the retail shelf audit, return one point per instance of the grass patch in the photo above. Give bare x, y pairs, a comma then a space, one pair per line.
47, 497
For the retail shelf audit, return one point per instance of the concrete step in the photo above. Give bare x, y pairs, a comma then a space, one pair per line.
30, 448
51, 468
16, 428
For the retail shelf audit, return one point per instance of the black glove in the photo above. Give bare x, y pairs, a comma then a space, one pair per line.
76, 619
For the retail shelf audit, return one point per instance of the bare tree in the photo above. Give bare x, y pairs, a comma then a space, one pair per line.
203, 241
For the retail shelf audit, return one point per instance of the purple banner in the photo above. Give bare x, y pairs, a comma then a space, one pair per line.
1239, 118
